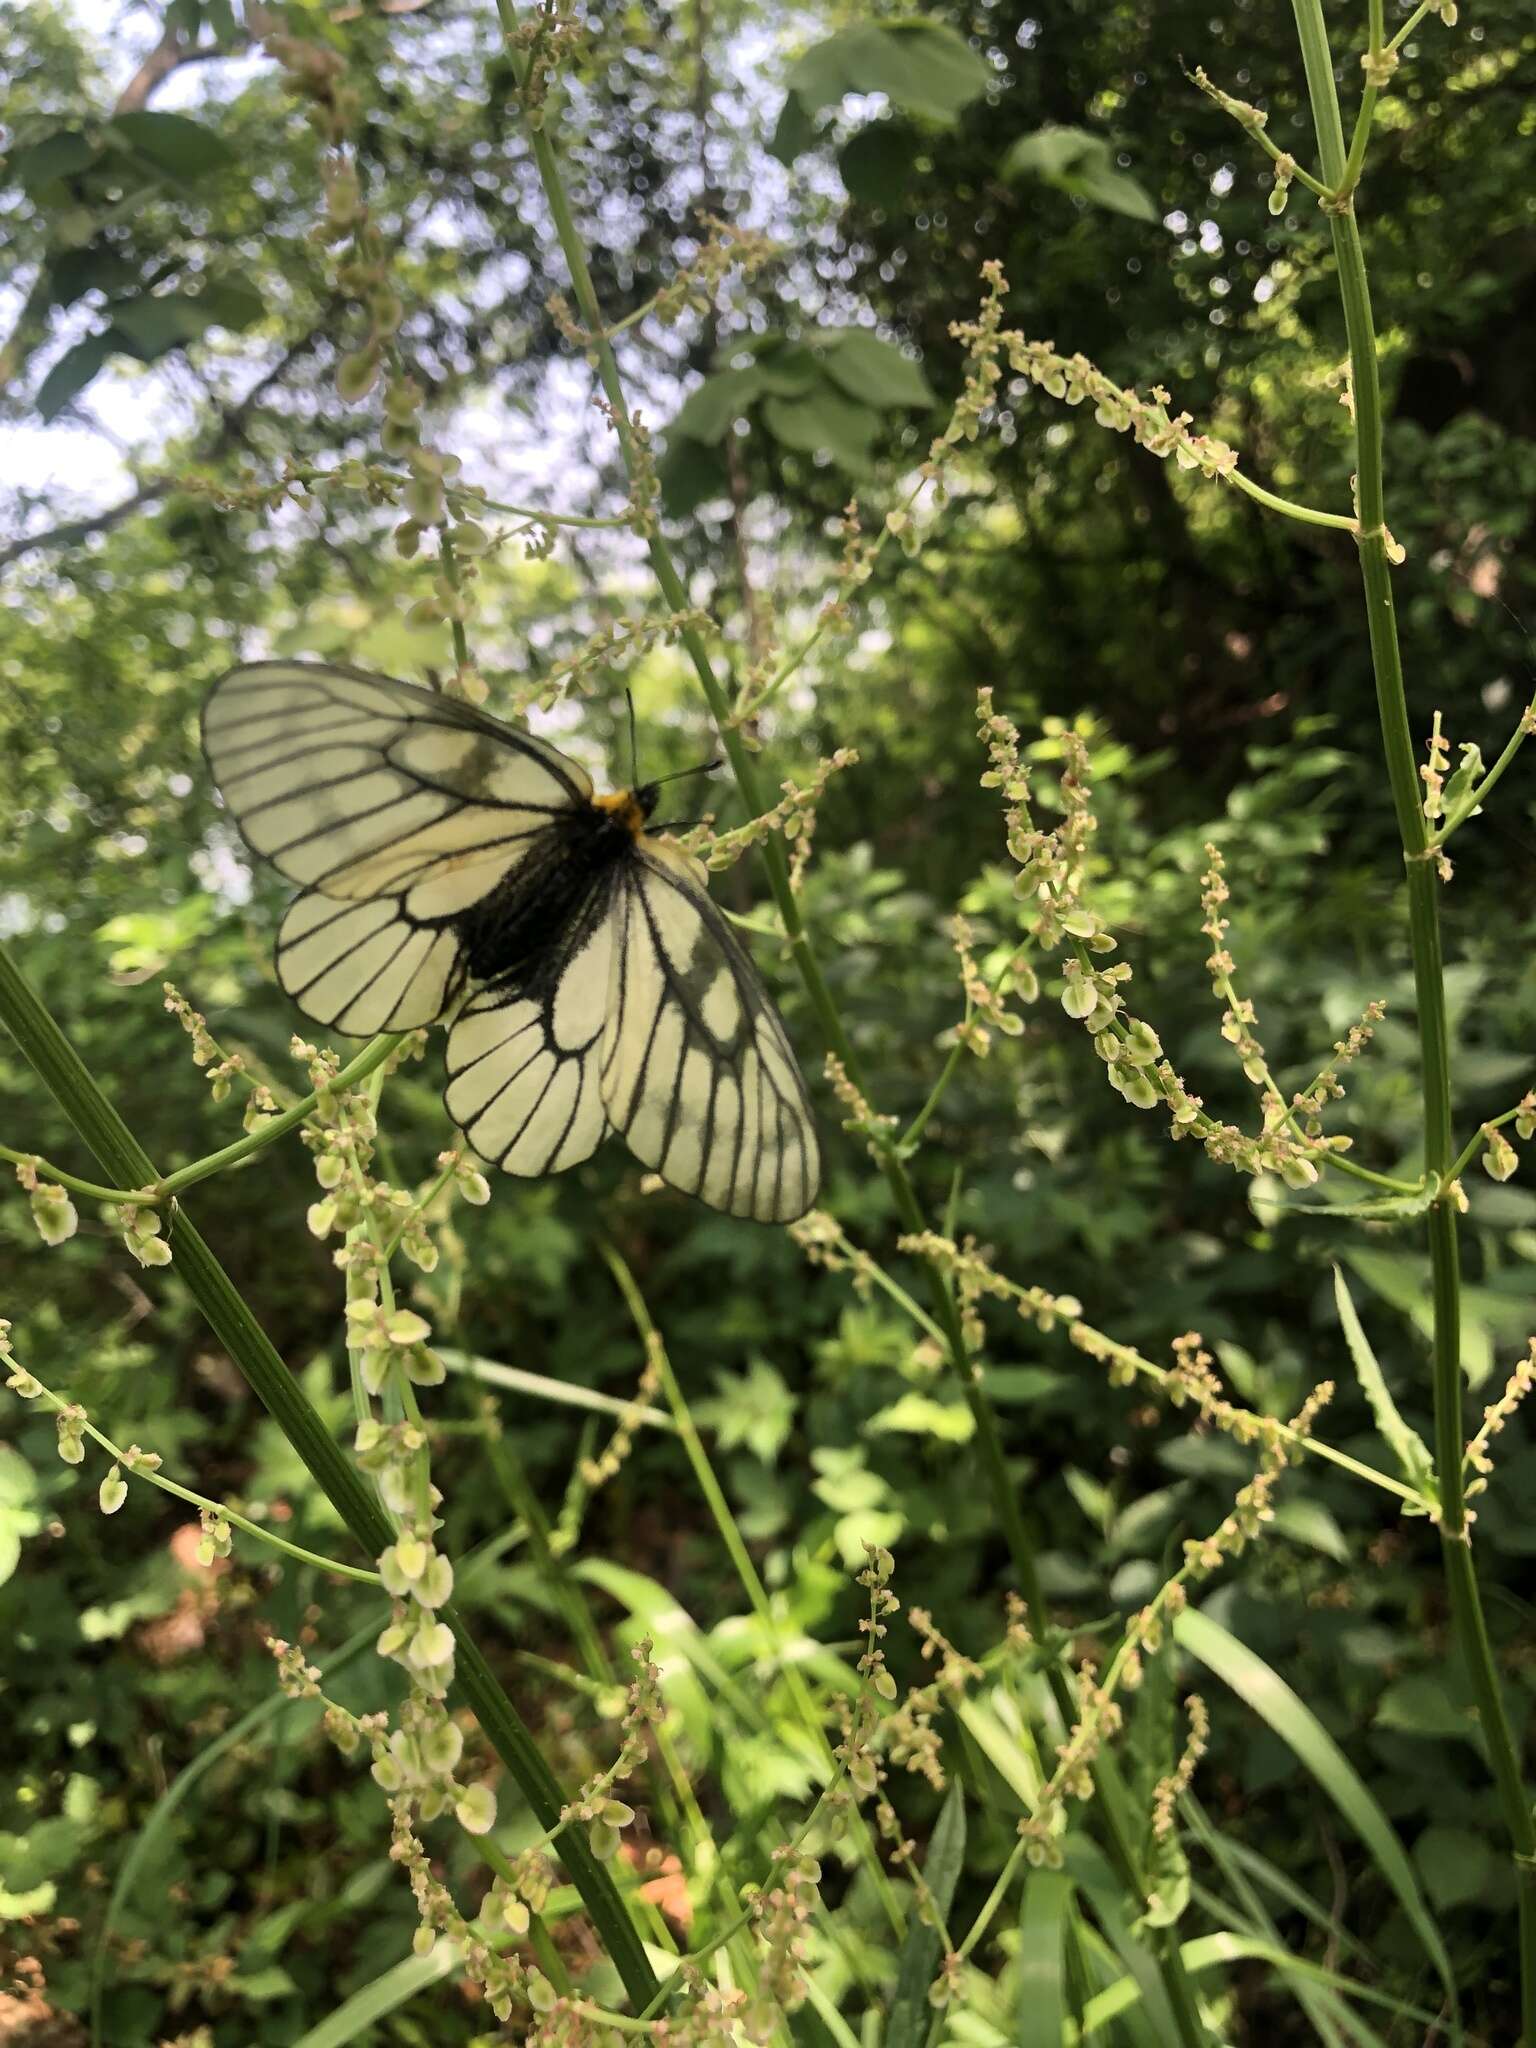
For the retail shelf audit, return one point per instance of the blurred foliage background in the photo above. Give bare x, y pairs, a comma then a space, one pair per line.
1215, 658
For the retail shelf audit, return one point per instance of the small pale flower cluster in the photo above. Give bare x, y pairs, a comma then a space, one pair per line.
1252, 1510
1171, 1789
596, 1472
625, 639
1149, 422
821, 1239
911, 1738
594, 1806
858, 1114
1052, 869
856, 1752
221, 1068
502, 1978
1043, 1831
782, 1913
1309, 1105
794, 815
418, 1578
141, 1227
1479, 1454
1239, 1017
985, 1009
53, 1214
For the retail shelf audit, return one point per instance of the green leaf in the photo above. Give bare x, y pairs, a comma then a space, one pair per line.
183, 148
708, 413
1082, 165
1455, 1863
151, 326
1309, 1522
1261, 1687
871, 370
1421, 1705
1382, 1209
916, 1414
74, 272
876, 164
1406, 1445
793, 133
754, 1408
923, 67
911, 2014
1042, 2005
825, 422
59, 155
71, 373
381, 1996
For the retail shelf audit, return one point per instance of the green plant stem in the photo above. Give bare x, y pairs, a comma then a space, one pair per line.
119, 1153
1428, 972
133, 1470
1305, 515
1464, 1158
267, 1133
1114, 1803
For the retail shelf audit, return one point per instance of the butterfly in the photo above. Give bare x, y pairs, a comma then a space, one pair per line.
453, 866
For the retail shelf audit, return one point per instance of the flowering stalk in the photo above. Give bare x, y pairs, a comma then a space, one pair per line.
1428, 969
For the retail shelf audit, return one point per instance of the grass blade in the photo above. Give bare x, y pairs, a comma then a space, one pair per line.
1261, 1687
1042, 1995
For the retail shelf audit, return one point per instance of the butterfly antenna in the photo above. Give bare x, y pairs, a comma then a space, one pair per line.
634, 742
704, 768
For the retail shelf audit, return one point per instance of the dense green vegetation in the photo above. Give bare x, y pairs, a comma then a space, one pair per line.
304, 259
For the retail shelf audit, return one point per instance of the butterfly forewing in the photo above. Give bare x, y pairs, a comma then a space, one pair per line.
362, 786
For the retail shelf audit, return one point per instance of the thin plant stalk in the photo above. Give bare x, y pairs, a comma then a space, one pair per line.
1429, 983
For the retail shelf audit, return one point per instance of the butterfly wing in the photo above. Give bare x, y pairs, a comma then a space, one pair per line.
696, 1072
523, 1064
395, 808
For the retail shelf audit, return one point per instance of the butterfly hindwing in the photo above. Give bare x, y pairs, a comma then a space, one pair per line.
523, 1066
697, 1073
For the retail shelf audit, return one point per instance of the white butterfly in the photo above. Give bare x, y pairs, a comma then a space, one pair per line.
445, 855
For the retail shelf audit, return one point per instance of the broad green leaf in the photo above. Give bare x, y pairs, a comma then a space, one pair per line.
708, 413
911, 2013
74, 272
824, 423
1080, 164
1406, 1445
1261, 1687
916, 1414
923, 67
151, 326
175, 144
789, 372
59, 155
1041, 2001
18, 1517
871, 370
1455, 1864
1309, 1522
876, 164
1421, 1705
71, 373
1015, 1763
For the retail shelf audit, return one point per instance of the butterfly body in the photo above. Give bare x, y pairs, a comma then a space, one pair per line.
453, 867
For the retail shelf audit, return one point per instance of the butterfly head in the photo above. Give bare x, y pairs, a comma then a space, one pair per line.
630, 809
